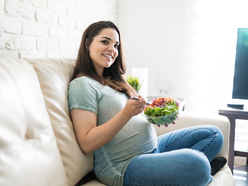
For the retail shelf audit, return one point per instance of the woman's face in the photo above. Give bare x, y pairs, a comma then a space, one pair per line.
103, 49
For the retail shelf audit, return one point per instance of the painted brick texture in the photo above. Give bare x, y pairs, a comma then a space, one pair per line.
48, 28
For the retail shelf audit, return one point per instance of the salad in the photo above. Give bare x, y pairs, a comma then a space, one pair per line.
162, 111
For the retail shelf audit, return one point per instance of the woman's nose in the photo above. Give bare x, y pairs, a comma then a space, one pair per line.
111, 48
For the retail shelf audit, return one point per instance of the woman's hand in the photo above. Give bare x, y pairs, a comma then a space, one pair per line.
134, 106
167, 124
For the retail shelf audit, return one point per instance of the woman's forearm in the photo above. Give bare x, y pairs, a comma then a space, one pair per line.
100, 135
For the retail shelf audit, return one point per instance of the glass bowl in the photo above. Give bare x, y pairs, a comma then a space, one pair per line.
163, 120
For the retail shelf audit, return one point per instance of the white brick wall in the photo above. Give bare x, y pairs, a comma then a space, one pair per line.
1, 7
12, 25
48, 28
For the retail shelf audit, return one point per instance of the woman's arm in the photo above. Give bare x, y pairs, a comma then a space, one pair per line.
90, 136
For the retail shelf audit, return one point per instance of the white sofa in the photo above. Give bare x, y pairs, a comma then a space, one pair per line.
37, 141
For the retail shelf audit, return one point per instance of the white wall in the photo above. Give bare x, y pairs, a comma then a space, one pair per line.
154, 35
190, 43
48, 28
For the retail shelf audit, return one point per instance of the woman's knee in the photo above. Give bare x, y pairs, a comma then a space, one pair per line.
200, 167
218, 138
218, 134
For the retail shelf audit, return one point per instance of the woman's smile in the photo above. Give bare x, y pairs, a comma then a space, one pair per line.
108, 56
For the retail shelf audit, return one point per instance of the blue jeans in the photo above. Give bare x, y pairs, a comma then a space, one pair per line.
181, 158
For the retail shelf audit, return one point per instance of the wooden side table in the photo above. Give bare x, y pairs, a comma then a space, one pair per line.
232, 114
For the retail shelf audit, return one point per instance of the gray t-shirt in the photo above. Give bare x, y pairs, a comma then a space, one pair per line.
136, 137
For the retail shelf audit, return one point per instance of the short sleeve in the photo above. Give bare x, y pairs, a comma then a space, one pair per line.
83, 95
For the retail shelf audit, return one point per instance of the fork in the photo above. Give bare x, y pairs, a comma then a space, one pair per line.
136, 98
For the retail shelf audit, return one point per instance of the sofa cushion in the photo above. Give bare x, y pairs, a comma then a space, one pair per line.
54, 76
223, 177
28, 150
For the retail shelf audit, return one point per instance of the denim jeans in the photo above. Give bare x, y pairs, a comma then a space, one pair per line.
181, 158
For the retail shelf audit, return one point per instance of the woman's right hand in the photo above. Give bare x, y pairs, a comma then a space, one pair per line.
134, 106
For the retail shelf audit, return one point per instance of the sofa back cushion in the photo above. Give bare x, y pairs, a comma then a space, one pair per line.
29, 154
54, 76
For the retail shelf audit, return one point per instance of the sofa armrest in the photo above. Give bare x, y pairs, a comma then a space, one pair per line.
187, 119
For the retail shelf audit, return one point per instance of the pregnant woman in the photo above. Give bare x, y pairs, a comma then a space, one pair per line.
107, 122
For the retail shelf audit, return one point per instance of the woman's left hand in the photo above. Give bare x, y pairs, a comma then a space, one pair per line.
167, 124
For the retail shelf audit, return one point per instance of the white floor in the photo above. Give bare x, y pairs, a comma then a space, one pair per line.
240, 172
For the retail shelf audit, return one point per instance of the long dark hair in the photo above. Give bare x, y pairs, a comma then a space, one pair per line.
112, 76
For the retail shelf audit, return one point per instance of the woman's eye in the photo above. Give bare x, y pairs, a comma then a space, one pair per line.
116, 46
105, 42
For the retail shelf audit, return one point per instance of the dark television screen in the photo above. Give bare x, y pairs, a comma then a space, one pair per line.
240, 79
